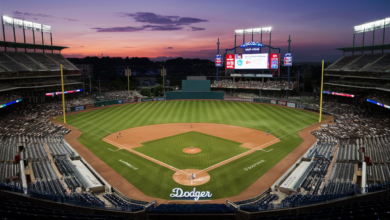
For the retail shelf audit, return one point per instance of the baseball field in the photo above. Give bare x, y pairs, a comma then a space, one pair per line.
150, 143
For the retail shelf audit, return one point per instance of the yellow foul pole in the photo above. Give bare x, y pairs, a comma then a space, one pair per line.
322, 85
63, 95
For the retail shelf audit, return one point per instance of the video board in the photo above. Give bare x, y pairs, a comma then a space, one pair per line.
247, 61
338, 94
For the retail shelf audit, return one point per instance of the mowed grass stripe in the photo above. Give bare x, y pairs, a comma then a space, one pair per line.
227, 180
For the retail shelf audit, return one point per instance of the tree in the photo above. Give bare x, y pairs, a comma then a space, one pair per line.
146, 92
158, 90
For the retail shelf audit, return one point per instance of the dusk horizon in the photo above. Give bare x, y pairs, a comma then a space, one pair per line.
165, 30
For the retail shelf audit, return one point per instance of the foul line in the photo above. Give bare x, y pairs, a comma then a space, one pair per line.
93, 124
249, 152
206, 169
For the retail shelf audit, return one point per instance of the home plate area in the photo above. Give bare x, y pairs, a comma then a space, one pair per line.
191, 177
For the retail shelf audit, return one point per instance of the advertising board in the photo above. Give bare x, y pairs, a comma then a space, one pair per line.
154, 99
79, 108
230, 61
291, 104
218, 60
282, 103
287, 59
264, 75
273, 101
147, 99
274, 60
88, 106
120, 101
251, 61
160, 99
338, 94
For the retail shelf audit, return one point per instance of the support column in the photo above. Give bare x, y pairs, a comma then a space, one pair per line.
221, 58
34, 40
373, 40
383, 42
353, 45
269, 50
5, 47
261, 38
288, 68
14, 36
24, 37
51, 42
235, 45
364, 34
252, 34
43, 42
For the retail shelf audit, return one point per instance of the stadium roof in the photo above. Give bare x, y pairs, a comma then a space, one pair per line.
30, 46
365, 48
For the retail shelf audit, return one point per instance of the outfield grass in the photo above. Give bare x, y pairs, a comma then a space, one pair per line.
227, 180
170, 150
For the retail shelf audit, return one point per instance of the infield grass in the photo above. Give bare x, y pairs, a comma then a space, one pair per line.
227, 180
170, 150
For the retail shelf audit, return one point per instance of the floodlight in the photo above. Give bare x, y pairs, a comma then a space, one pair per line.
248, 31
239, 32
256, 30
387, 22
8, 21
379, 24
46, 28
18, 23
37, 27
28, 25
371, 26
266, 30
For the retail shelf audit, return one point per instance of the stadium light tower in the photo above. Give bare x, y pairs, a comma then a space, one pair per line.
252, 31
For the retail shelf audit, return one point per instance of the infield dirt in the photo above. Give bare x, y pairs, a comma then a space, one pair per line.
120, 183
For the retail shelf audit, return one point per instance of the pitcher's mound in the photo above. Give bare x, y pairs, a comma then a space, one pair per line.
183, 177
195, 150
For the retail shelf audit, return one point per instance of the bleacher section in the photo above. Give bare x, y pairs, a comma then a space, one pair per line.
48, 63
62, 60
192, 208
27, 61
11, 64
365, 62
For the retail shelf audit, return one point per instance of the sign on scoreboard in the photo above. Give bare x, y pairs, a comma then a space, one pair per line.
230, 61
274, 60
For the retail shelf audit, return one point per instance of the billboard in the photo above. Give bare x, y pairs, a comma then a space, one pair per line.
274, 60
230, 60
28, 25
10, 103
287, 59
378, 103
8, 21
218, 60
66, 92
338, 94
251, 61
18, 23
46, 29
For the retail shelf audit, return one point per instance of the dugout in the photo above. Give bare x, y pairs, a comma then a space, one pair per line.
195, 89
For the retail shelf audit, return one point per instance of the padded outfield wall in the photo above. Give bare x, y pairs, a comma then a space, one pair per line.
195, 89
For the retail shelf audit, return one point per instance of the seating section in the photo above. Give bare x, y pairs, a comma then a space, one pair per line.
22, 58
378, 176
377, 209
47, 181
268, 85
363, 61
192, 208
261, 204
71, 176
324, 148
62, 60
22, 210
382, 64
10, 64
58, 146
348, 151
48, 63
125, 206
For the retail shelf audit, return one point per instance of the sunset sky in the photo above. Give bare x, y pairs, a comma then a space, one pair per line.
190, 29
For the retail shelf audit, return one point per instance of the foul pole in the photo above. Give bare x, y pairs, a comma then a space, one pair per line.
63, 95
322, 84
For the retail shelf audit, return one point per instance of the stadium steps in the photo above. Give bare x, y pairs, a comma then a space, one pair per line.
4, 69
330, 67
346, 67
372, 64
27, 61
62, 60
12, 64
44, 60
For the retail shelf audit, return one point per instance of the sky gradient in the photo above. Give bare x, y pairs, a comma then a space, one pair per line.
190, 29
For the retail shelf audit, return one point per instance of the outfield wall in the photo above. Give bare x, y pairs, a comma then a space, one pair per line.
194, 95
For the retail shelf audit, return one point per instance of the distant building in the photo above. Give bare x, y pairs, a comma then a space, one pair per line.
86, 70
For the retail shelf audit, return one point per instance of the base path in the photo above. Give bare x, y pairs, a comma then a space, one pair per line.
133, 137
185, 178
194, 150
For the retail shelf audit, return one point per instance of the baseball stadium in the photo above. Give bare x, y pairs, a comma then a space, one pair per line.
235, 146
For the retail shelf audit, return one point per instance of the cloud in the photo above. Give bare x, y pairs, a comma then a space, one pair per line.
152, 18
24, 15
144, 27
197, 29
70, 19
169, 48
154, 22
128, 47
